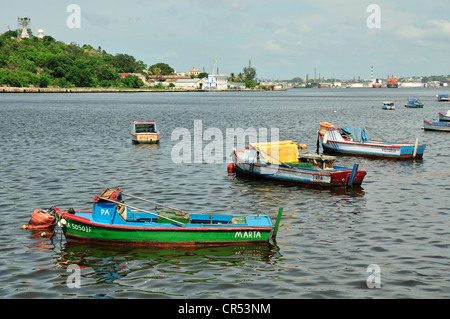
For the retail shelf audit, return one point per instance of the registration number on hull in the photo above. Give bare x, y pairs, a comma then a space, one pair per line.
82, 228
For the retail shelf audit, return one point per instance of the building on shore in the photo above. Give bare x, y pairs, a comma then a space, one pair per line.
189, 84
411, 84
194, 71
236, 86
216, 82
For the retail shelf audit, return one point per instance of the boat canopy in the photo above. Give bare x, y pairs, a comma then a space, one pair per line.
357, 133
278, 152
144, 127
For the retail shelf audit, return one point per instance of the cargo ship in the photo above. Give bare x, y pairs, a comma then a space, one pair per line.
376, 84
392, 82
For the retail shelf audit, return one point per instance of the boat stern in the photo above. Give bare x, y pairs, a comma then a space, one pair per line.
348, 177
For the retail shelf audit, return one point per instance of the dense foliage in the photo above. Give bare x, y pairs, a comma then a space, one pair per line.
47, 62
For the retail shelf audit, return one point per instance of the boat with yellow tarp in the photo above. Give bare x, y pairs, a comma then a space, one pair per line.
282, 161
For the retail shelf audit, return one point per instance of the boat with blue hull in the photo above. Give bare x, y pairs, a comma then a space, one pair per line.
354, 141
436, 126
414, 103
282, 162
442, 97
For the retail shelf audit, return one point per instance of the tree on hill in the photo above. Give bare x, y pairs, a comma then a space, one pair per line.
164, 68
132, 81
47, 62
125, 63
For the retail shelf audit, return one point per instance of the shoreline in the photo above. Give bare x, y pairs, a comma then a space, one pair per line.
82, 90
106, 90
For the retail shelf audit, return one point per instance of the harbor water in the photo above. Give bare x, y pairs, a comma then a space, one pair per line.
387, 239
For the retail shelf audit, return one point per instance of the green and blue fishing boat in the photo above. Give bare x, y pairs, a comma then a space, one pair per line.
111, 220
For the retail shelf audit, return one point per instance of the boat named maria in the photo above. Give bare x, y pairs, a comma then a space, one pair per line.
113, 221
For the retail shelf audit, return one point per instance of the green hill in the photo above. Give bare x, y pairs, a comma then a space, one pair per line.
49, 63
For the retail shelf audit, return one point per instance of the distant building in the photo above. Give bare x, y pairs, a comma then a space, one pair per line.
189, 84
195, 72
216, 82
236, 86
411, 84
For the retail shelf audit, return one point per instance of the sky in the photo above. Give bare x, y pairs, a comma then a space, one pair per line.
284, 39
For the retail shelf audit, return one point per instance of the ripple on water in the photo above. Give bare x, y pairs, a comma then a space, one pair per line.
327, 239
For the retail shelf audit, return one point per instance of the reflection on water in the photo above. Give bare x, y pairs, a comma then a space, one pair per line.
150, 270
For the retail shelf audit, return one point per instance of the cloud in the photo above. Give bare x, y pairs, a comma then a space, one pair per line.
433, 32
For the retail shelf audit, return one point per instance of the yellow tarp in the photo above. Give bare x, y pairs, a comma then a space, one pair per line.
284, 151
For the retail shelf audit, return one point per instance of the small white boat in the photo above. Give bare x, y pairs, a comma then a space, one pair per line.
388, 105
144, 133
442, 97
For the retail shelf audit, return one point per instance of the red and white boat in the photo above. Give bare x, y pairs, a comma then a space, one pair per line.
354, 141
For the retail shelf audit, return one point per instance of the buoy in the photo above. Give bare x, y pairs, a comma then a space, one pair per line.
231, 167
41, 219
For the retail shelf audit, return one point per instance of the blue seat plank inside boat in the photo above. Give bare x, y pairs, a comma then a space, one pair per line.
261, 220
211, 219
142, 217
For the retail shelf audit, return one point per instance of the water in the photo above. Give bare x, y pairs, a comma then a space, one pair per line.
62, 149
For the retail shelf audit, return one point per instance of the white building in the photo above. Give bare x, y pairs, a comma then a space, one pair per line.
195, 71
411, 84
189, 84
216, 82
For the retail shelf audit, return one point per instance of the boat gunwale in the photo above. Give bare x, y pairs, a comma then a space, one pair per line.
436, 123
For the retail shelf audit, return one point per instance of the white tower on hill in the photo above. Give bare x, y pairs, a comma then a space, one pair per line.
40, 34
23, 23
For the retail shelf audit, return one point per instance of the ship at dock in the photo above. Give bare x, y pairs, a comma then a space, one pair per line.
392, 82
